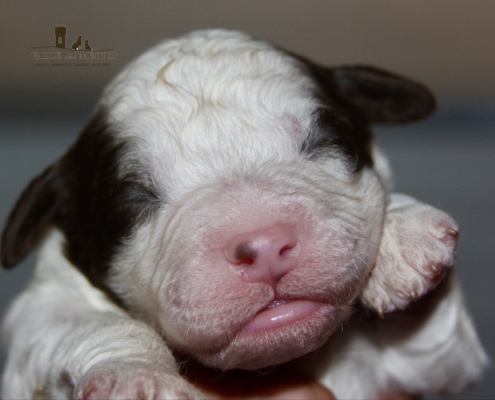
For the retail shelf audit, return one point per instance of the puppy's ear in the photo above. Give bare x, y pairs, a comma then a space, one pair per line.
381, 96
32, 215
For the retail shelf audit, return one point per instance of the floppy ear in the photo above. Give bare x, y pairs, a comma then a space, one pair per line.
382, 97
32, 215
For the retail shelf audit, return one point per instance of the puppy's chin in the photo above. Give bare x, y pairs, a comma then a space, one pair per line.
257, 345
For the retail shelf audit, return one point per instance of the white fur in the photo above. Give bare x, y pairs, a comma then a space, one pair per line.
216, 101
216, 122
418, 244
81, 332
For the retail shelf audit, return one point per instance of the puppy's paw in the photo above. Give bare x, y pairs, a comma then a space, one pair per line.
417, 249
133, 380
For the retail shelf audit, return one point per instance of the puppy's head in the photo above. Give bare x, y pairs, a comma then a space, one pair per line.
225, 191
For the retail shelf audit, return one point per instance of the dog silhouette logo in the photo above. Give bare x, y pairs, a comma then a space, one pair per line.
60, 42
77, 44
80, 50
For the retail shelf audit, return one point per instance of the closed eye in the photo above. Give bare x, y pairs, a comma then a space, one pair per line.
133, 200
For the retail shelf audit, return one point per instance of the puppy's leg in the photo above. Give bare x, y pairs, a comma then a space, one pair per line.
432, 347
66, 340
417, 248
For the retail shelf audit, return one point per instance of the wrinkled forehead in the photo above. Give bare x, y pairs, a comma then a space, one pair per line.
197, 103
207, 70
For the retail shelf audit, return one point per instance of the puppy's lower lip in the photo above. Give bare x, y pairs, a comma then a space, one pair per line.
280, 313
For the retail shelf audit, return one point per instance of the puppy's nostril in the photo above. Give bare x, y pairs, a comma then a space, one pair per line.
245, 261
245, 254
285, 250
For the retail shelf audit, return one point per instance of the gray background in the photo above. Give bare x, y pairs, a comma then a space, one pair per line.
447, 161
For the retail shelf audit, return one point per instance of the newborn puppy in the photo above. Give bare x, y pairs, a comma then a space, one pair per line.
226, 202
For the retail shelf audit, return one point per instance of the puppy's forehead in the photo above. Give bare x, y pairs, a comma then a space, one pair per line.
211, 100
205, 69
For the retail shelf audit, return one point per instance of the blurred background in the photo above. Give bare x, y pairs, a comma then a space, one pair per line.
447, 161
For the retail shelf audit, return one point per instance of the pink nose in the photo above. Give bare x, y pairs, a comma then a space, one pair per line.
264, 255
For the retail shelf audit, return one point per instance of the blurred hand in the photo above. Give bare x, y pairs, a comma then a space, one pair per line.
279, 384
282, 383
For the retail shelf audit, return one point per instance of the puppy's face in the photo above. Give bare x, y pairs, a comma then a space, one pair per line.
225, 192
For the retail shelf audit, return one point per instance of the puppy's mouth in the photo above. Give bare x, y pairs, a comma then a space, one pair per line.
279, 313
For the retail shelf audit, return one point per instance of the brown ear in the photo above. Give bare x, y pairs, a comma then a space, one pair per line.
382, 97
32, 215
